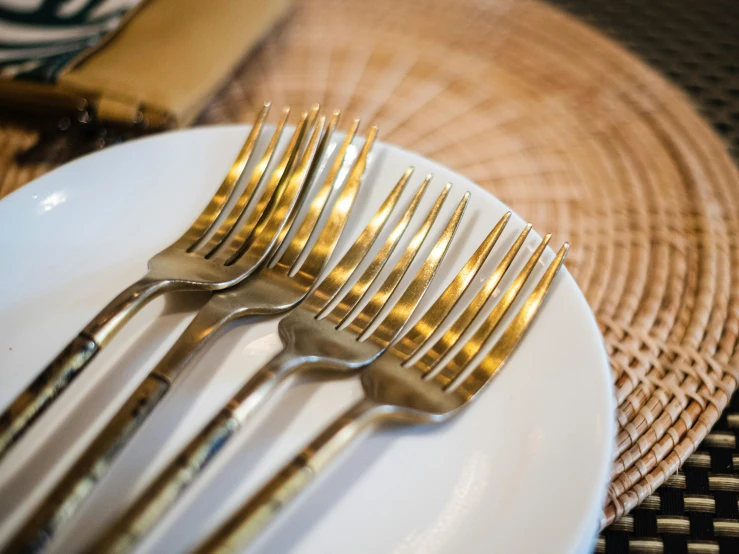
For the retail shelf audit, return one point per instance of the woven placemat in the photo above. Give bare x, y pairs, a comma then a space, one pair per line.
578, 137
696, 510
694, 44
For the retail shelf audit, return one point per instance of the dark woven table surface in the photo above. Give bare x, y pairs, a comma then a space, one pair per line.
696, 45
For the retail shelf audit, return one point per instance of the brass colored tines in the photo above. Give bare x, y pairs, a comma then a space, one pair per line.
398, 389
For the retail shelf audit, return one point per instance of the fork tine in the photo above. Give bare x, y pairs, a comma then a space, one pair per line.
276, 185
298, 173
310, 159
359, 322
320, 201
450, 337
330, 286
331, 231
402, 310
457, 364
265, 236
412, 340
505, 345
210, 214
227, 228
358, 289
289, 176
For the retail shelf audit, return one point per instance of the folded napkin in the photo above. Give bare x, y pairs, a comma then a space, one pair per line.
153, 63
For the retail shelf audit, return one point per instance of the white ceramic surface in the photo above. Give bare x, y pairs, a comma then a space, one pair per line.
524, 469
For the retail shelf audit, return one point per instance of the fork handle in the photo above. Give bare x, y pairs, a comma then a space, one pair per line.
80, 479
88, 470
152, 504
244, 526
69, 363
42, 391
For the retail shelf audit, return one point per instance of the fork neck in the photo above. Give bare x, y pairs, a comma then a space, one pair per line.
109, 321
284, 365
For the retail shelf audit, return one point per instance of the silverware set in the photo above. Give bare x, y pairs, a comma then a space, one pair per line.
262, 247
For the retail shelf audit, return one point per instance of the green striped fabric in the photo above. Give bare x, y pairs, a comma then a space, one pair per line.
38, 38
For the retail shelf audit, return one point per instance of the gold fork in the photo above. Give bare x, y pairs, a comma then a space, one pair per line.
311, 341
269, 291
397, 390
229, 256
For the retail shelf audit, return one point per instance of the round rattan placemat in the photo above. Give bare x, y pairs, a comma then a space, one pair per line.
577, 136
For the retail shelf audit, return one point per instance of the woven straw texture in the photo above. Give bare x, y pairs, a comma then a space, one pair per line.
696, 510
695, 44
578, 137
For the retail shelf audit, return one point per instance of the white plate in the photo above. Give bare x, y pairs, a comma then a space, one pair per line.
524, 469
